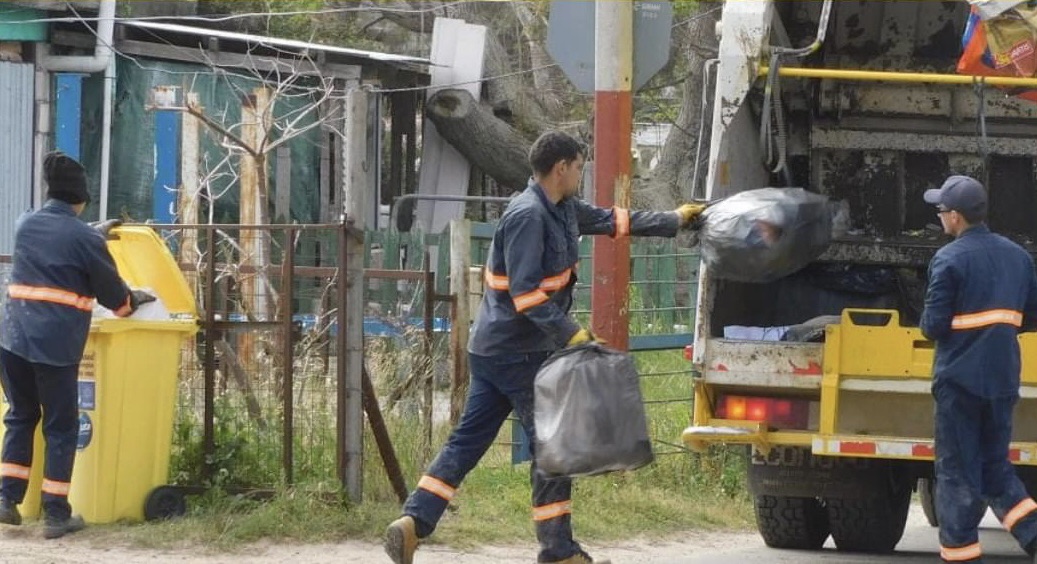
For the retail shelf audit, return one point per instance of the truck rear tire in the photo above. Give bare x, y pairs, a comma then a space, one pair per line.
927, 497
791, 522
873, 524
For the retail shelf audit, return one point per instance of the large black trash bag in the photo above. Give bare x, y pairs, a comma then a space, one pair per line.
589, 414
762, 235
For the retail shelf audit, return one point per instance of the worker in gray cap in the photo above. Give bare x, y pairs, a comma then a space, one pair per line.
982, 293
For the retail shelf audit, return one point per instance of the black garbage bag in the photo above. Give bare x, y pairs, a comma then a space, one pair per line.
589, 414
812, 330
762, 235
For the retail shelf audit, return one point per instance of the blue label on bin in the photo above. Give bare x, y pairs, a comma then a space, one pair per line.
86, 431
87, 397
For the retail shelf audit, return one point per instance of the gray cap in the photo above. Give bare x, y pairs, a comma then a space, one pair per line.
962, 194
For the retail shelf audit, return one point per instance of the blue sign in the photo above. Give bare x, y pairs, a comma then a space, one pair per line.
87, 395
86, 431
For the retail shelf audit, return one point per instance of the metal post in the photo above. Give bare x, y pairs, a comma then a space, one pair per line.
354, 197
426, 346
460, 264
613, 123
288, 354
382, 439
209, 432
341, 373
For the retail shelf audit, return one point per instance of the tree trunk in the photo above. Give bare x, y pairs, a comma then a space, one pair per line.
672, 178
487, 142
544, 81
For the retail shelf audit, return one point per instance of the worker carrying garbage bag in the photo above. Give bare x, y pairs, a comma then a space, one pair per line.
589, 414
523, 319
762, 235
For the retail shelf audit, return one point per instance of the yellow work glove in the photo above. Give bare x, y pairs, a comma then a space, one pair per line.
689, 213
584, 336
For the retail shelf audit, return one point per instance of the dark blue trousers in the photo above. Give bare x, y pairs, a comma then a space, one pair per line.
34, 391
973, 471
499, 385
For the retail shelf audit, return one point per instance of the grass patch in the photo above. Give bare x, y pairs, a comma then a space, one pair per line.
678, 492
492, 508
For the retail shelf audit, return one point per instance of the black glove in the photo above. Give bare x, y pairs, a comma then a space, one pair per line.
105, 228
139, 298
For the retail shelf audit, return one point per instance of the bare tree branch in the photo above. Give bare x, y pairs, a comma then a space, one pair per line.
221, 129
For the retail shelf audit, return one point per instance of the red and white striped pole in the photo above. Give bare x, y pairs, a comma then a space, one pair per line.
613, 124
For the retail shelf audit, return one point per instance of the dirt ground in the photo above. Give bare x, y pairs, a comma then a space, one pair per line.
24, 546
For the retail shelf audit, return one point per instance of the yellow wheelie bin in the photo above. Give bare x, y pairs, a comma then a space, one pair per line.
128, 388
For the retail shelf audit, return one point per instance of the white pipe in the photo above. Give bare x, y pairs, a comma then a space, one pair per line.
106, 138
42, 140
101, 60
102, 51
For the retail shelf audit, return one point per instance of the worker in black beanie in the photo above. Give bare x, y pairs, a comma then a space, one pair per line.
66, 179
59, 267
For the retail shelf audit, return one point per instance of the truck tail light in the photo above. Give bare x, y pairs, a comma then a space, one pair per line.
778, 412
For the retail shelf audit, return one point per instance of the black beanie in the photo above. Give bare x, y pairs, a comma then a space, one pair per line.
66, 178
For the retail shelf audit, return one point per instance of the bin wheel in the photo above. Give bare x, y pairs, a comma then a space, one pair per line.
165, 502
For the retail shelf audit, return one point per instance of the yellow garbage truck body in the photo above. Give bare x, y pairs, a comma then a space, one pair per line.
859, 101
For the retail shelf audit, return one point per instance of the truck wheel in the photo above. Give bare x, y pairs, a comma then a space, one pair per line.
791, 522
927, 496
873, 524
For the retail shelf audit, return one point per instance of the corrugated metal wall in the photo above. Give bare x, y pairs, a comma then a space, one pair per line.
16, 113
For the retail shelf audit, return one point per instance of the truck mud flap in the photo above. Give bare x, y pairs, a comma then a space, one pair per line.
795, 472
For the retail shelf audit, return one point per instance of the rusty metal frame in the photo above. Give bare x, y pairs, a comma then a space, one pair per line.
211, 326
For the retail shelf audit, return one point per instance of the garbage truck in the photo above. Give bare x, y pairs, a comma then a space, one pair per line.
823, 374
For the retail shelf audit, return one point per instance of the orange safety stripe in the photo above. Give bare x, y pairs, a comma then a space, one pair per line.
437, 487
552, 511
549, 284
12, 470
965, 553
51, 295
54, 487
1021, 510
496, 282
987, 318
555, 283
529, 300
622, 219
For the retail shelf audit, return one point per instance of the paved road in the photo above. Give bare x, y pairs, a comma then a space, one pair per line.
920, 544
24, 546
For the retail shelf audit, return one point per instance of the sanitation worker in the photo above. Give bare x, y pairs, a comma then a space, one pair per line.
524, 317
982, 292
60, 265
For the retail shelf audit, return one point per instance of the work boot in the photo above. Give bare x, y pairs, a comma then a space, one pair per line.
581, 557
55, 528
401, 540
9, 514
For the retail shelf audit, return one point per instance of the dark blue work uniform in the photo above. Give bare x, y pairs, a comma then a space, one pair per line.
982, 293
60, 266
523, 318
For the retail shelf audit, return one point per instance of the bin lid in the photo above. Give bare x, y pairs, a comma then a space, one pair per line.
144, 261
